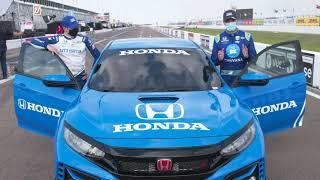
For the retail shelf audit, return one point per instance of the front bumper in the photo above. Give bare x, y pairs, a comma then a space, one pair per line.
71, 165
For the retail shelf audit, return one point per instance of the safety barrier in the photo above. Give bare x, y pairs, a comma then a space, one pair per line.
311, 60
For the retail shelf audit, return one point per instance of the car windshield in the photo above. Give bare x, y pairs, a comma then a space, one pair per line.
152, 70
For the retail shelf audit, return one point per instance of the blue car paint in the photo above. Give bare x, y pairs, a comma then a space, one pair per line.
57, 78
218, 109
28, 90
136, 43
283, 89
224, 111
254, 76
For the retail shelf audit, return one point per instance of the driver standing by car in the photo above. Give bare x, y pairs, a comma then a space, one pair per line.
232, 49
70, 47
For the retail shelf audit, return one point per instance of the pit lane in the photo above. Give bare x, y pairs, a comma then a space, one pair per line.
292, 154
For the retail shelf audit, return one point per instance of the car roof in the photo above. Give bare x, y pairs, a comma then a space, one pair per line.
142, 43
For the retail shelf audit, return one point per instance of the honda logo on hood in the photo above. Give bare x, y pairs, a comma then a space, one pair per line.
159, 111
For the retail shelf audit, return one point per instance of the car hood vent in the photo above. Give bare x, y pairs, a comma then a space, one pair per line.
158, 98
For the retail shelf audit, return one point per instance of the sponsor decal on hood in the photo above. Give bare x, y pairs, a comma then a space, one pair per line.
153, 51
159, 111
159, 126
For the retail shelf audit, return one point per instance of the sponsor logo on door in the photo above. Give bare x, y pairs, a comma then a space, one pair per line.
25, 105
274, 107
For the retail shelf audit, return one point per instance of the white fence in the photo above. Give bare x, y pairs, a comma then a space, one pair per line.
312, 71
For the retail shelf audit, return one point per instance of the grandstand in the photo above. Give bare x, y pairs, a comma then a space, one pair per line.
22, 11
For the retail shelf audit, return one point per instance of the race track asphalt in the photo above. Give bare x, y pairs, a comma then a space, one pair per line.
291, 155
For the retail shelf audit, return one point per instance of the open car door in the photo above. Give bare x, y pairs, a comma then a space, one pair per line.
279, 96
38, 107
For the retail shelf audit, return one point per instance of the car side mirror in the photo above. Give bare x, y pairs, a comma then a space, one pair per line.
58, 80
253, 79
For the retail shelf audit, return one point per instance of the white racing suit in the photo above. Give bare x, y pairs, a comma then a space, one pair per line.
72, 51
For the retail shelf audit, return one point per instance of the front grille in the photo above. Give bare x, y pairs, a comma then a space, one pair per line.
137, 167
192, 165
179, 166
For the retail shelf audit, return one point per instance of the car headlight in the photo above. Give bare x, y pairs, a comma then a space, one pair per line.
81, 146
240, 143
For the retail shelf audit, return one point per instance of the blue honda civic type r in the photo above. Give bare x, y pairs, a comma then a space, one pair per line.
159, 108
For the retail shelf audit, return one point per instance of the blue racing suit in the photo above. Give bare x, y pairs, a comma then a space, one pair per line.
72, 51
233, 61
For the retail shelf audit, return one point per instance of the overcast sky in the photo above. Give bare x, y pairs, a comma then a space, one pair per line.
164, 11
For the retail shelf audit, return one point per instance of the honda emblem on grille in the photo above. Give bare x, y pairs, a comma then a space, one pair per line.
164, 165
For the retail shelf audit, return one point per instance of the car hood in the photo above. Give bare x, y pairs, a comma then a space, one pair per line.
169, 115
